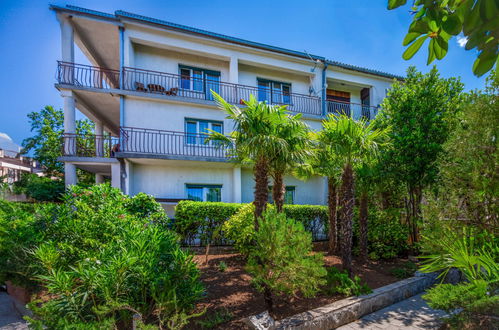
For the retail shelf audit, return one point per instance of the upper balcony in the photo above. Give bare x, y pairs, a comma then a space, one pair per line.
186, 87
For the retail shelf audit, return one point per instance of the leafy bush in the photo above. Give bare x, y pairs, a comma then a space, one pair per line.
107, 257
22, 227
405, 270
387, 237
40, 188
240, 228
282, 259
340, 282
478, 301
215, 319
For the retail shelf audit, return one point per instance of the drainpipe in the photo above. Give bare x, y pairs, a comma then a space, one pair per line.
123, 173
324, 85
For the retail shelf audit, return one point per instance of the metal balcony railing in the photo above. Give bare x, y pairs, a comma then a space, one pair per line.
160, 142
87, 76
81, 145
355, 110
156, 82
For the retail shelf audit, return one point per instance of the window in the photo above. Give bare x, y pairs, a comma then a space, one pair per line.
274, 91
199, 80
197, 130
204, 193
289, 195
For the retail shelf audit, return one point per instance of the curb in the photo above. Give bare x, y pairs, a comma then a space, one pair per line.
347, 310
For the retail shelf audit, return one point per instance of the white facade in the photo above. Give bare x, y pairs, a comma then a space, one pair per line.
148, 92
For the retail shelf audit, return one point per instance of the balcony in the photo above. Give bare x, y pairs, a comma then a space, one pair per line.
161, 83
141, 142
79, 145
356, 110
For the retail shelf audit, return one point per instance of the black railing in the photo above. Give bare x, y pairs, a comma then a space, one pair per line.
87, 76
156, 82
355, 110
171, 143
200, 88
89, 145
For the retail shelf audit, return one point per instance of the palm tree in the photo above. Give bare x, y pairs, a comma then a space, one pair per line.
254, 140
323, 161
297, 149
353, 142
365, 179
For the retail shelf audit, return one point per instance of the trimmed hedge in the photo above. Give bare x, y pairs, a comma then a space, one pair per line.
204, 220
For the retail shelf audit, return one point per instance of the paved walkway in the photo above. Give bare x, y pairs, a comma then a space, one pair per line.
10, 319
412, 313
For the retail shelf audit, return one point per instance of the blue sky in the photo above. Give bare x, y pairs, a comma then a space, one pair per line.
359, 32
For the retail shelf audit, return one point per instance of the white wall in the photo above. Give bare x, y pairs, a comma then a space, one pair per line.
306, 192
165, 181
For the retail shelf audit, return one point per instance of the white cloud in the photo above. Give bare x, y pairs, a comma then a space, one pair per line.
462, 41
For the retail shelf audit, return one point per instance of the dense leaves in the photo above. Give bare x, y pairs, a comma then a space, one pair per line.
477, 20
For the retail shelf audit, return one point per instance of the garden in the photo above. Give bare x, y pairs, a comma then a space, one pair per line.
416, 188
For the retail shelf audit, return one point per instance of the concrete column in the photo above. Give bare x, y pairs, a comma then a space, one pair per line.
234, 70
99, 139
372, 102
67, 39
70, 177
99, 178
69, 123
116, 175
236, 184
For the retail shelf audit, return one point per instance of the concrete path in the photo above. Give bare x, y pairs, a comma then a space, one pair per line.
10, 319
412, 313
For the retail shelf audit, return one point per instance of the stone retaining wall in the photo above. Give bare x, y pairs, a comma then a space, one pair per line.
347, 310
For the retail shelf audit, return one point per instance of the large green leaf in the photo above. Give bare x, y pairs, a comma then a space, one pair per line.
410, 38
392, 4
413, 48
431, 52
452, 25
484, 63
440, 47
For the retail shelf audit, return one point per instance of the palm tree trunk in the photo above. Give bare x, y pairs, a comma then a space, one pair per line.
332, 202
363, 214
261, 172
346, 216
278, 191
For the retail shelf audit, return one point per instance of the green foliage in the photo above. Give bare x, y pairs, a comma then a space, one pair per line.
282, 259
202, 218
340, 282
240, 228
222, 266
234, 222
478, 301
387, 237
218, 317
405, 270
442, 20
469, 183
473, 252
40, 188
48, 127
102, 257
22, 227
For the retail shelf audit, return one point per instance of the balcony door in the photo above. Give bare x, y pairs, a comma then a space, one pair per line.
338, 102
274, 92
198, 83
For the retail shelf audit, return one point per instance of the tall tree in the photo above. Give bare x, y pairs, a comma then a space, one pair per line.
254, 140
48, 127
365, 174
324, 162
421, 112
294, 152
353, 142
439, 21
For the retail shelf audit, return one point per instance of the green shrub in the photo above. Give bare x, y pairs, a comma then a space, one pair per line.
477, 300
282, 258
405, 270
222, 266
106, 257
387, 237
340, 282
218, 317
22, 227
40, 188
240, 228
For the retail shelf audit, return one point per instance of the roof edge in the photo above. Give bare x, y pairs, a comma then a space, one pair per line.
364, 70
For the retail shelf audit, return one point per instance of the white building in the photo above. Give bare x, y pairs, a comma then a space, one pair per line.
148, 93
